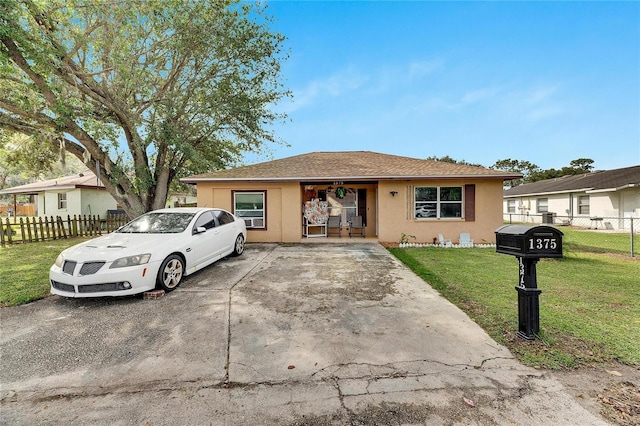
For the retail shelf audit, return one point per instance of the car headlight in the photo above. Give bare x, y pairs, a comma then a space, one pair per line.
138, 259
59, 261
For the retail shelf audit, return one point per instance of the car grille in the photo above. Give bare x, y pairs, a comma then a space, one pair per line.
91, 268
69, 266
97, 288
63, 287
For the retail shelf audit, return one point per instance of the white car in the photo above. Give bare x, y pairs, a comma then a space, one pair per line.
153, 251
425, 211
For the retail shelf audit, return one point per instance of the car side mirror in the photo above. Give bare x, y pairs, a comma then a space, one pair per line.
199, 230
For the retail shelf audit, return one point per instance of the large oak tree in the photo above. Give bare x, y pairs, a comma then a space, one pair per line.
143, 91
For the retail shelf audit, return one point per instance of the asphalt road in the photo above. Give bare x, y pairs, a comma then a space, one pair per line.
317, 334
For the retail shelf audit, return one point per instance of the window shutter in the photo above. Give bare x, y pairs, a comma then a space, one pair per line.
470, 203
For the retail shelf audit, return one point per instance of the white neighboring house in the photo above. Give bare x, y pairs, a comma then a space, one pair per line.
79, 194
604, 198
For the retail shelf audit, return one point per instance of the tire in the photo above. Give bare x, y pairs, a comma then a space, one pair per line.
238, 246
170, 273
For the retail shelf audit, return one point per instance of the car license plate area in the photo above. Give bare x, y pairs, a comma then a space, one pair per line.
99, 288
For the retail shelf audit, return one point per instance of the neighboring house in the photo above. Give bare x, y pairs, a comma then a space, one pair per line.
393, 195
180, 199
609, 196
80, 194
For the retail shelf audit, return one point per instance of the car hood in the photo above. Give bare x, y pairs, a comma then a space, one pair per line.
117, 245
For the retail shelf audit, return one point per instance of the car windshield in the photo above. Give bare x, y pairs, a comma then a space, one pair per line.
158, 223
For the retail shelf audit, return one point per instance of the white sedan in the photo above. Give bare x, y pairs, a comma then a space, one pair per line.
153, 251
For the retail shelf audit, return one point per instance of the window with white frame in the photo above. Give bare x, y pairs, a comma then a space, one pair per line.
438, 202
62, 200
250, 206
583, 204
511, 206
542, 205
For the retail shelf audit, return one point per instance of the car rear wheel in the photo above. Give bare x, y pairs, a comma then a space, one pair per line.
238, 247
170, 273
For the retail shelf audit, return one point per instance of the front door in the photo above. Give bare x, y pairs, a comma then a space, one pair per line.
362, 204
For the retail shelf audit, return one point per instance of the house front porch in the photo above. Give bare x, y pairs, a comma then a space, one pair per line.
337, 210
340, 240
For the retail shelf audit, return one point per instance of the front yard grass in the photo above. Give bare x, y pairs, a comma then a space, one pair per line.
589, 306
24, 270
599, 241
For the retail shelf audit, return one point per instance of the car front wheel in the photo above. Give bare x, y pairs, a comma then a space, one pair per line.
238, 247
170, 273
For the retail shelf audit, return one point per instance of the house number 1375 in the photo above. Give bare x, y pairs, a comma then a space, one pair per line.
543, 244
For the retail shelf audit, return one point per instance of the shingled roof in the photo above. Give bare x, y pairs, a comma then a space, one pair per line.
85, 179
609, 180
348, 165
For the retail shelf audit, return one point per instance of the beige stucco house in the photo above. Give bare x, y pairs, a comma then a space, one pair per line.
293, 198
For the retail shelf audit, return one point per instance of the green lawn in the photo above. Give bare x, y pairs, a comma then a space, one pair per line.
589, 306
24, 270
600, 242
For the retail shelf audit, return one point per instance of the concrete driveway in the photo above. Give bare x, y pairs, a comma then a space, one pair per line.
285, 334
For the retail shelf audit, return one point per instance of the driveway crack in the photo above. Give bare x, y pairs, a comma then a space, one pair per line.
226, 379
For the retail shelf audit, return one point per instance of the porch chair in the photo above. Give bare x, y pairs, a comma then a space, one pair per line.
465, 240
356, 225
334, 224
443, 242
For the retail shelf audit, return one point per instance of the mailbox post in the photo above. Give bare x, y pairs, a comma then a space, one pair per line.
529, 244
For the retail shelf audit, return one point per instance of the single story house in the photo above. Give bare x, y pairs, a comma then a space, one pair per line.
79, 194
606, 198
297, 197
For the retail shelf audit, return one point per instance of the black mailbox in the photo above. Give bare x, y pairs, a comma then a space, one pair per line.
529, 242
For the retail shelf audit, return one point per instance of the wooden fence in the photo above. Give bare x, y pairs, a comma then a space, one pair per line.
31, 230
23, 210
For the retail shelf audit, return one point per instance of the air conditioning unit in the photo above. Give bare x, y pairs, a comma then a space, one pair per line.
257, 222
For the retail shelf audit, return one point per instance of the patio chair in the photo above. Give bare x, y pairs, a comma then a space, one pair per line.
356, 225
465, 240
443, 242
334, 224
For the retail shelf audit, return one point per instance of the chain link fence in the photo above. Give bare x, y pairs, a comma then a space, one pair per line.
596, 234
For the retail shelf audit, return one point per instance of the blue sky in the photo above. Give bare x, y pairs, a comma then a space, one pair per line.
546, 82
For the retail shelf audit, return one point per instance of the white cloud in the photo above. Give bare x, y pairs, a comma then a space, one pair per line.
335, 85
423, 68
479, 95
549, 111
387, 79
537, 103
537, 95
